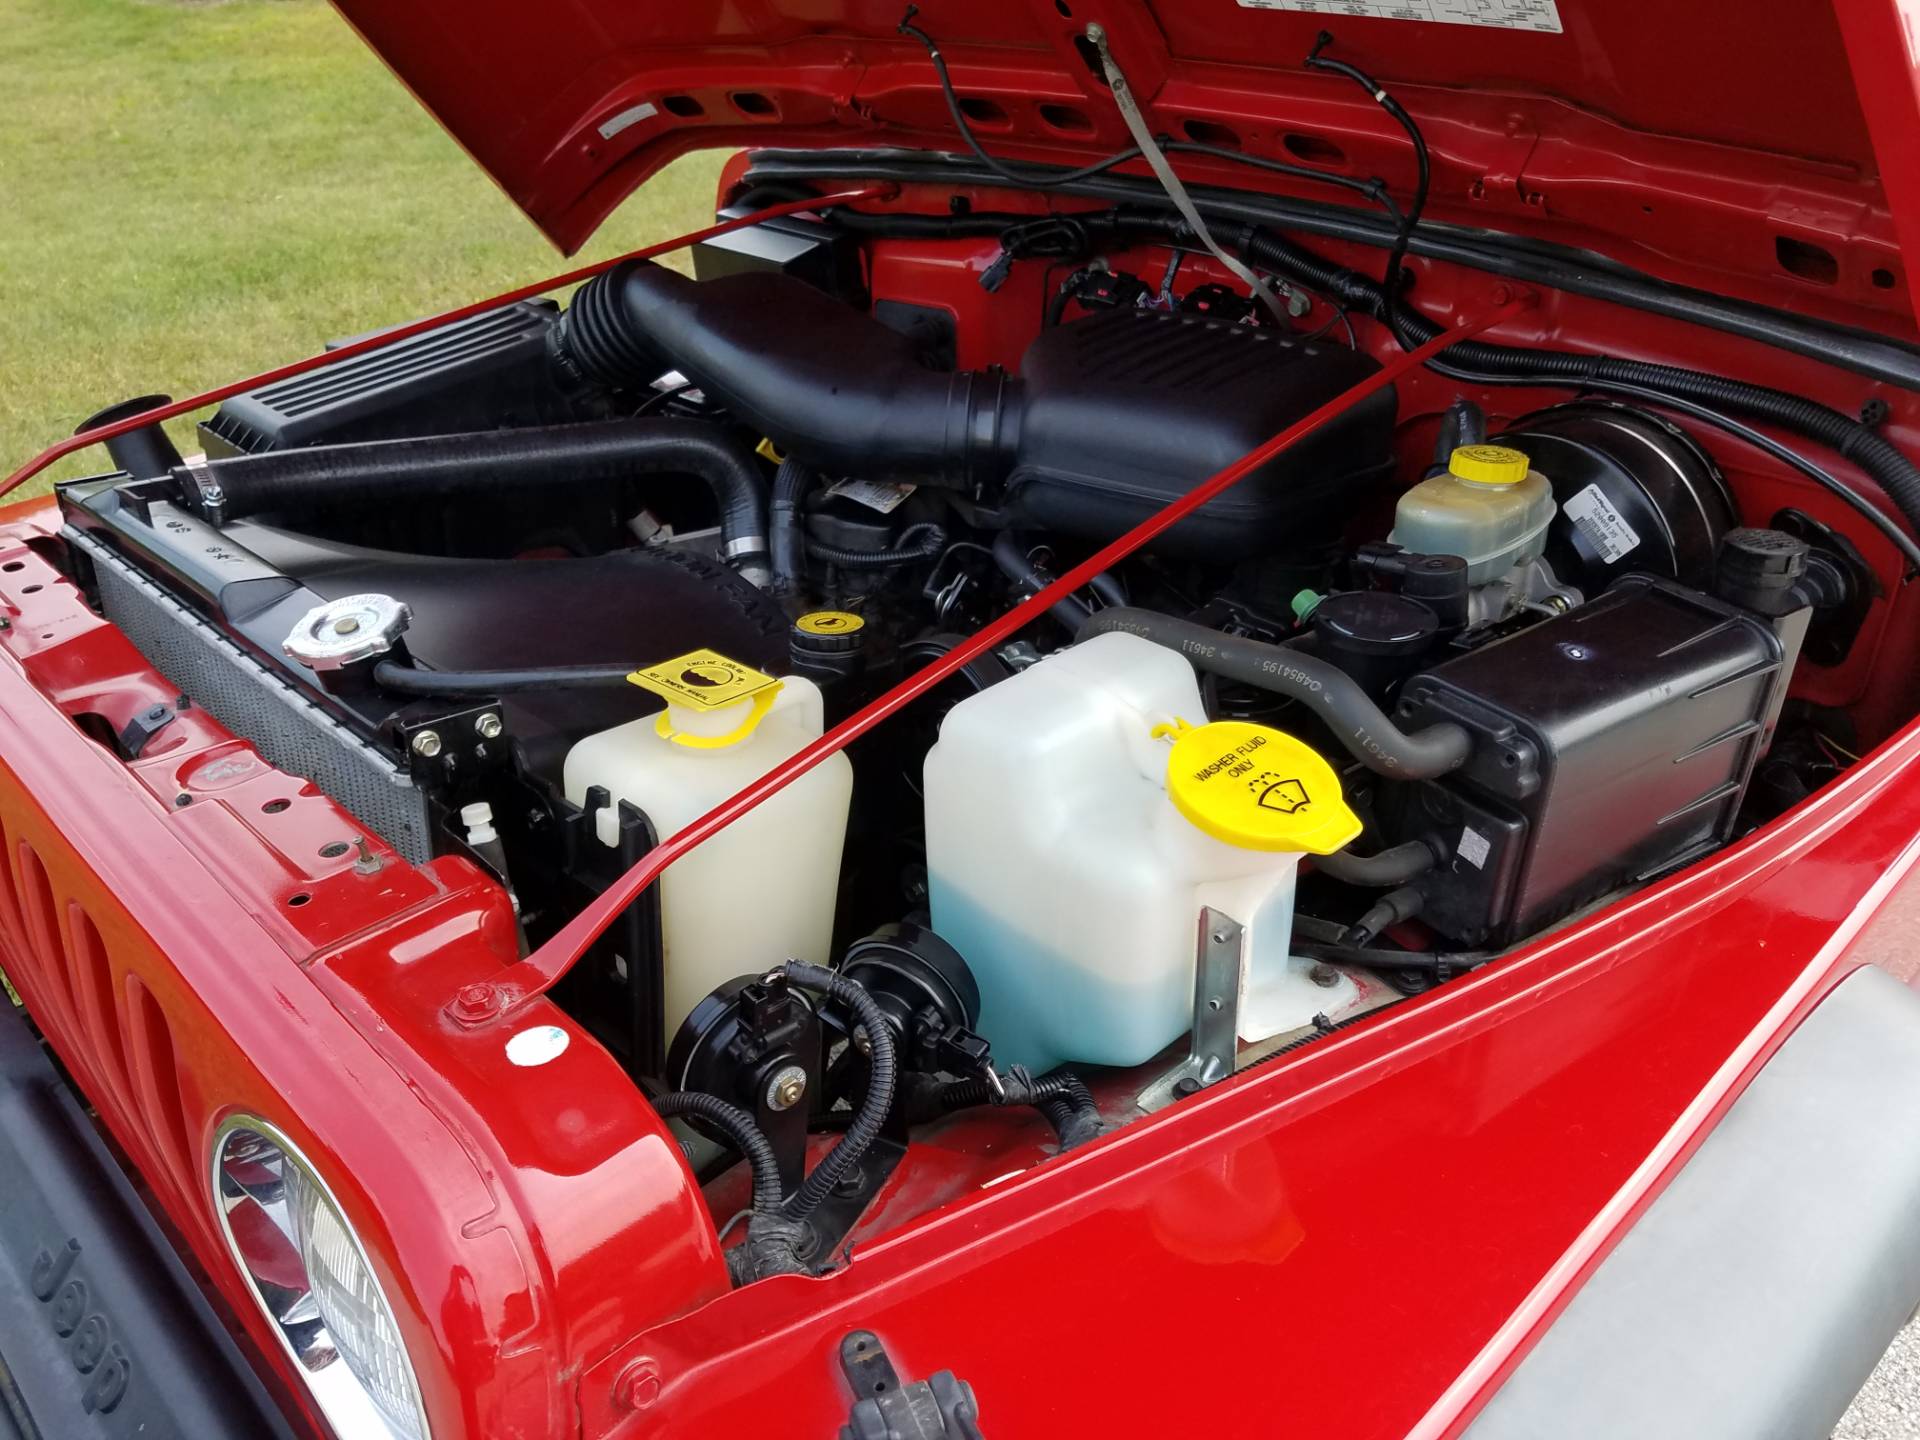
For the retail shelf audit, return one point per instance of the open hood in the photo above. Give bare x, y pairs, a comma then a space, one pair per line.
1749, 145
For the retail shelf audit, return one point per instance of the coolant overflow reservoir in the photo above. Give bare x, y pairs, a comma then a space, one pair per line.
1076, 827
763, 888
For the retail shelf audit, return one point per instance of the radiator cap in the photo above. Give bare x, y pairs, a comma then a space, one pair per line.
352, 628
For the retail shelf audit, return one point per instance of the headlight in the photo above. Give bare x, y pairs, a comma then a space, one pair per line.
310, 1274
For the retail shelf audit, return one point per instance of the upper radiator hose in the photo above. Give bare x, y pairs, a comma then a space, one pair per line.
829, 384
378, 472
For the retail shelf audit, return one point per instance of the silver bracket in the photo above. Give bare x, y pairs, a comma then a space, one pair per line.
1218, 958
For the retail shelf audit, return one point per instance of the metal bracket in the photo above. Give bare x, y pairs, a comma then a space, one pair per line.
1217, 967
938, 1408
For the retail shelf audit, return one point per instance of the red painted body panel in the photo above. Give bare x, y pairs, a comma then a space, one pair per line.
1427, 1186
1370, 1230
1682, 137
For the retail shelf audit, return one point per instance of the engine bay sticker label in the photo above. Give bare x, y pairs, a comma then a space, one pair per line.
1541, 15
874, 494
1602, 526
1474, 847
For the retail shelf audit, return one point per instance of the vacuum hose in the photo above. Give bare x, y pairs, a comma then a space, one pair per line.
428, 467
1393, 866
1373, 739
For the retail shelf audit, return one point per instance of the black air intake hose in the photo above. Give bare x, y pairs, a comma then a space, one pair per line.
146, 453
1373, 739
463, 467
828, 384
1842, 434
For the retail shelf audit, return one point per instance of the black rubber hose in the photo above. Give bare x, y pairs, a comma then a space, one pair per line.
1011, 555
1373, 739
1393, 866
392, 473
882, 1075
1842, 434
829, 384
791, 482
916, 542
740, 1130
146, 453
1394, 908
404, 679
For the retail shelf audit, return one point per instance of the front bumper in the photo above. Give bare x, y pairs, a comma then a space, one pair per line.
102, 1331
1756, 1294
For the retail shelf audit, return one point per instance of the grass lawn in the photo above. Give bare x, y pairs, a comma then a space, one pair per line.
196, 191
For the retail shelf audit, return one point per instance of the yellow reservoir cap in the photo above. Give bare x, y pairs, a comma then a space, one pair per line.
1257, 788
1488, 464
704, 687
829, 622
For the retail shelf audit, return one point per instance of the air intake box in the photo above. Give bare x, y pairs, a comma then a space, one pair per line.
1610, 744
486, 372
1128, 410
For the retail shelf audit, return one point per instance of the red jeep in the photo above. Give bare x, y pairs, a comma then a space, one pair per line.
1215, 737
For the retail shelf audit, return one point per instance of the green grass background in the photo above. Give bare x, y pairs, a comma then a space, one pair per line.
193, 192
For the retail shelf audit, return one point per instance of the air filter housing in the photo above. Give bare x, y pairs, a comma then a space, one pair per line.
1128, 410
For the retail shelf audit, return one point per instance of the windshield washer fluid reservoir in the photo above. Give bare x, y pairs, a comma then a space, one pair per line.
762, 889
1076, 826
1489, 507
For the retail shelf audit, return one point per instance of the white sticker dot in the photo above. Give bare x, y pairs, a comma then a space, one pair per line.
538, 1045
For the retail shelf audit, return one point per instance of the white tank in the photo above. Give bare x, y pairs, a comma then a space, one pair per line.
1490, 508
763, 888
1077, 824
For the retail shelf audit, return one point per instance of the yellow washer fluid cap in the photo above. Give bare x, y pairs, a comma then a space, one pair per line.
1488, 464
1257, 788
704, 691
829, 622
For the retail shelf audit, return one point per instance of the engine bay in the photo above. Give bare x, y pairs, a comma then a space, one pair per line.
1501, 643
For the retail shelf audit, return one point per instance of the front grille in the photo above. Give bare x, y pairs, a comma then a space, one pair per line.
289, 731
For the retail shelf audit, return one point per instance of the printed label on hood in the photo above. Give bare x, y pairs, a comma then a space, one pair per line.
1541, 15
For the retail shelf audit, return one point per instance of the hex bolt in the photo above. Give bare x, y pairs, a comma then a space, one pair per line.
1324, 976
426, 744
488, 726
637, 1386
476, 1002
787, 1088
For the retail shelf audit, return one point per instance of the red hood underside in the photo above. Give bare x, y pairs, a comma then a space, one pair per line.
1588, 130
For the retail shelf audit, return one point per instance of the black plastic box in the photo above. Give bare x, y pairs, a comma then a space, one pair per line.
486, 372
1128, 410
1610, 744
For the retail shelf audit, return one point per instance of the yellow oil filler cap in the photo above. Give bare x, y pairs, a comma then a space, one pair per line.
1488, 464
1257, 788
712, 701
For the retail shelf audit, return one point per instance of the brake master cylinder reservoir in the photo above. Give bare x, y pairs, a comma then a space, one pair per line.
1076, 826
762, 889
1489, 507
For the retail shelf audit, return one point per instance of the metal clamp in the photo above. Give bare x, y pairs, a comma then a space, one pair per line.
1219, 960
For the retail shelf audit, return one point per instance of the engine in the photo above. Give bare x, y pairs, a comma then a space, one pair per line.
543, 587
